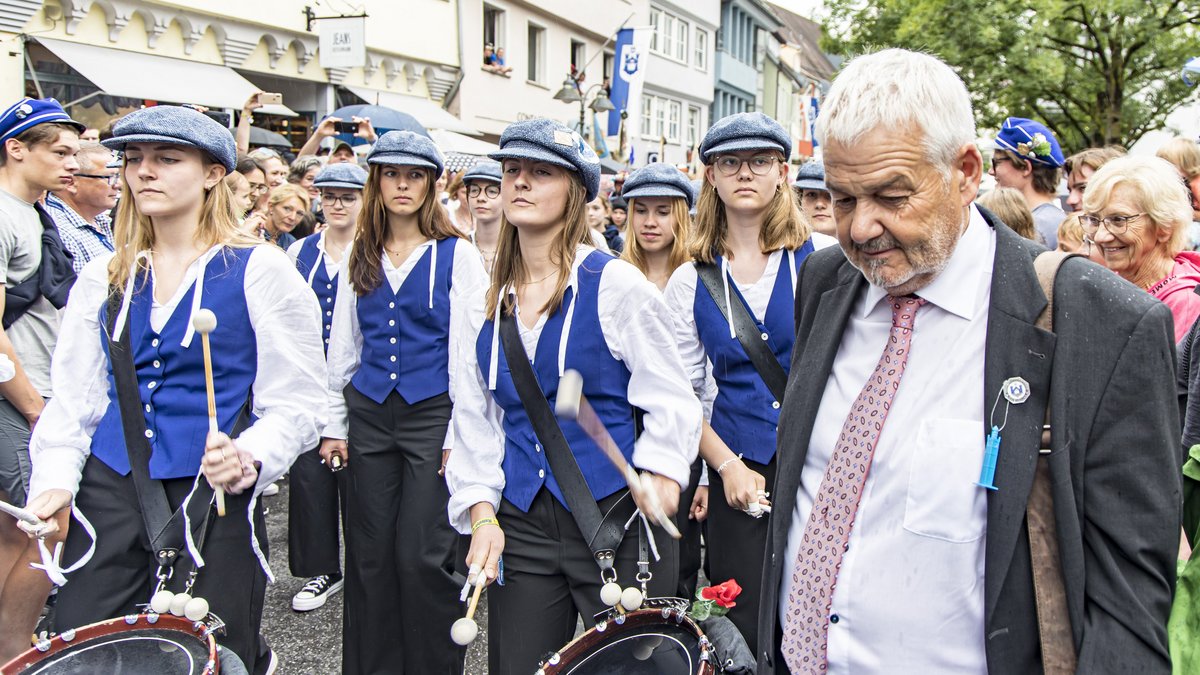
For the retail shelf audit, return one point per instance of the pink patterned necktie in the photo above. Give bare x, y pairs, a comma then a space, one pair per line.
827, 533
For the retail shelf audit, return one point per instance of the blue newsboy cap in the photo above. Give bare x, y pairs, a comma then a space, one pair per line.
30, 112
1030, 140
178, 126
484, 170
811, 176
744, 131
406, 148
341, 175
544, 140
658, 180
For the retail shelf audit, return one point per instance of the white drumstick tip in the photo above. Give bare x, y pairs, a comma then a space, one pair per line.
204, 321
570, 390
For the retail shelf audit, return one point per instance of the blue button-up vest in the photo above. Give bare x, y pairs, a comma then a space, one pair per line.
745, 414
605, 383
311, 266
406, 344
171, 378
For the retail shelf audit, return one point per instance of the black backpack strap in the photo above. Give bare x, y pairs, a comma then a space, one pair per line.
602, 532
754, 342
164, 528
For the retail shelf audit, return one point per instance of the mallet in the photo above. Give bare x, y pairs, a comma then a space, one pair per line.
572, 404
205, 322
464, 631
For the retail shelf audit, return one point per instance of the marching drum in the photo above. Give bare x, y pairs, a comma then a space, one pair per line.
659, 639
138, 643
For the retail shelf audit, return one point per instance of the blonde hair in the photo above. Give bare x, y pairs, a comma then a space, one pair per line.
681, 221
1010, 207
1184, 154
783, 225
286, 191
370, 232
1157, 190
133, 231
509, 268
1070, 233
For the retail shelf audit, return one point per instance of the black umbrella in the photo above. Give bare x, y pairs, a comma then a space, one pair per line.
260, 137
383, 118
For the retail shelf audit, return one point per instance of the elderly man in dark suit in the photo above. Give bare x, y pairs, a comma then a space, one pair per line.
916, 342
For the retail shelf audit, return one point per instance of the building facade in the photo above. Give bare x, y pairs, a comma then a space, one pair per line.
747, 27
102, 58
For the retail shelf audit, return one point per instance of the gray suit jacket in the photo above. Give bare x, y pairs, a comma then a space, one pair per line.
1115, 460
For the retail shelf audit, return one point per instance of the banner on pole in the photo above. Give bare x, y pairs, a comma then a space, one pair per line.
343, 42
632, 52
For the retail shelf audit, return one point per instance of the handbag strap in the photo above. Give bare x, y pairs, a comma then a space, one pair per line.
754, 341
1054, 620
602, 532
164, 527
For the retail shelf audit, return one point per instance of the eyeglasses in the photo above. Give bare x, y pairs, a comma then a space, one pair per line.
258, 188
1114, 224
492, 191
113, 180
731, 165
347, 201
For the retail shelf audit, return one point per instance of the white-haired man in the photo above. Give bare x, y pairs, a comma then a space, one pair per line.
914, 341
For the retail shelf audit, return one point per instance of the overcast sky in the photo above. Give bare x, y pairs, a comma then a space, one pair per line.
807, 8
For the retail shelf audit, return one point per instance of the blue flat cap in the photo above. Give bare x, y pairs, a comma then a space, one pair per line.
544, 140
811, 176
744, 131
30, 112
178, 126
406, 148
1030, 140
484, 170
658, 180
341, 175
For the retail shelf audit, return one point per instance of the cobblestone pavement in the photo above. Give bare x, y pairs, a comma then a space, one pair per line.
310, 643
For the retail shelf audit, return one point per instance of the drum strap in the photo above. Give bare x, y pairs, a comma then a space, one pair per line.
603, 533
754, 341
164, 528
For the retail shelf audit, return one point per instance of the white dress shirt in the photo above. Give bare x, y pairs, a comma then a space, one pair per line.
345, 338
909, 596
636, 327
288, 391
680, 295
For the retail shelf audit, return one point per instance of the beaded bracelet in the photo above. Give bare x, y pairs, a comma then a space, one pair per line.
726, 463
484, 521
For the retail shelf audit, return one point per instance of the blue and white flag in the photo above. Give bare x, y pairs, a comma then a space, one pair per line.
632, 52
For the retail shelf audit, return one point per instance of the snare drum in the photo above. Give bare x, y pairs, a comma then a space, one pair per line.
658, 639
138, 643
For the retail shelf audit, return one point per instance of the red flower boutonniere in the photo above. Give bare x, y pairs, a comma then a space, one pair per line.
715, 600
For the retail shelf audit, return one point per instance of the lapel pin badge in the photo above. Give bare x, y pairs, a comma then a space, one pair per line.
1015, 391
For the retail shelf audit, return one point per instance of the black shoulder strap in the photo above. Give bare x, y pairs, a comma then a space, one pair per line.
165, 540
603, 533
753, 343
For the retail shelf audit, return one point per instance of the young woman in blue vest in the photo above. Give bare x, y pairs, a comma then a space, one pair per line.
391, 360
313, 504
179, 249
659, 200
575, 308
748, 225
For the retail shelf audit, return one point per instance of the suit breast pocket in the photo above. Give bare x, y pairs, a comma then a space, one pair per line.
943, 501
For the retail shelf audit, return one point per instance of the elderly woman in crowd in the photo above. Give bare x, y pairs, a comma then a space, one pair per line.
1137, 213
285, 209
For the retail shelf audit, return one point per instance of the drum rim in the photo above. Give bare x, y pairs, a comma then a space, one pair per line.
75, 636
636, 618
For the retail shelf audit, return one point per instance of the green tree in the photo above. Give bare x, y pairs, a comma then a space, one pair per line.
1096, 73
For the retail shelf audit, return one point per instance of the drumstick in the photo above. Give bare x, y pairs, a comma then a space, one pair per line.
572, 404
464, 631
205, 322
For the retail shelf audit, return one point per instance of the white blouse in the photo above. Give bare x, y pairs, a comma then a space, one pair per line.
469, 281
637, 329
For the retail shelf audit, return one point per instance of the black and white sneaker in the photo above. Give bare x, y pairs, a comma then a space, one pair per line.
316, 591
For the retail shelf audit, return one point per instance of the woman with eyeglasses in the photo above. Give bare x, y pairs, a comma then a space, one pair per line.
1137, 213
482, 182
748, 236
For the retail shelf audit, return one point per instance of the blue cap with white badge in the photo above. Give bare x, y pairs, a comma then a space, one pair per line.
175, 125
544, 140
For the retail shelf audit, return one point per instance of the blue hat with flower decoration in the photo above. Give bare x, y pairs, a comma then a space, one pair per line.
30, 112
1030, 140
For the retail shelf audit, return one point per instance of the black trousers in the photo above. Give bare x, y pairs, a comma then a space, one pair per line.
120, 575
313, 506
551, 579
736, 548
401, 591
689, 542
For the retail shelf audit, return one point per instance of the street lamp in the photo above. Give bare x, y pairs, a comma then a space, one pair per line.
571, 92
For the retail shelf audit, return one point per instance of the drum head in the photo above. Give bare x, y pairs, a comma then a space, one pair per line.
119, 647
641, 643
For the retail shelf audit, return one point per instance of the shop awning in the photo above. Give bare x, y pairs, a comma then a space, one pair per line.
158, 78
428, 113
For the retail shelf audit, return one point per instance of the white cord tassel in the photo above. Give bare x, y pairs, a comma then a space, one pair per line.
649, 532
127, 299
494, 362
52, 562
728, 304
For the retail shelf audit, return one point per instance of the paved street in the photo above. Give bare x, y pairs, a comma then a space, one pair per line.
310, 643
